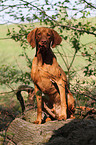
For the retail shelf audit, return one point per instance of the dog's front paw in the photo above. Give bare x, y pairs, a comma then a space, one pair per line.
38, 121
48, 119
62, 117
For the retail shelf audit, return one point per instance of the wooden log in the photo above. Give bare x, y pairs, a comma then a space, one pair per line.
56, 132
21, 131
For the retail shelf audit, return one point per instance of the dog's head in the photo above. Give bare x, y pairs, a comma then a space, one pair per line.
43, 38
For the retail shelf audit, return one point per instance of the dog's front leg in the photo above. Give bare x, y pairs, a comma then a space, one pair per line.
39, 105
63, 112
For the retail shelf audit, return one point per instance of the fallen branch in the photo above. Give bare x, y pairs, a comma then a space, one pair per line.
49, 110
28, 89
90, 113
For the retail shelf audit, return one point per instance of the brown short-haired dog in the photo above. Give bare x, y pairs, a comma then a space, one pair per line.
48, 76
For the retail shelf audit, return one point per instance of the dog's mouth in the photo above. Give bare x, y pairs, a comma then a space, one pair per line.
42, 48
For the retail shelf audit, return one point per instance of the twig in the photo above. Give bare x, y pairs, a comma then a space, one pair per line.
89, 4
77, 29
56, 22
49, 110
62, 57
90, 112
2, 93
87, 95
72, 60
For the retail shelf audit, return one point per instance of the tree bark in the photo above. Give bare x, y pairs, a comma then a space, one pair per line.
22, 132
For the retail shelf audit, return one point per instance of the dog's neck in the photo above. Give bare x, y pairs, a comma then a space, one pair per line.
45, 57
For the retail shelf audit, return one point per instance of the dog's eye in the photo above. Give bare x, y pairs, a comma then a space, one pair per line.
48, 34
39, 34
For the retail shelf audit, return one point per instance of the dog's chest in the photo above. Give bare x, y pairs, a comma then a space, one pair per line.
45, 76
43, 73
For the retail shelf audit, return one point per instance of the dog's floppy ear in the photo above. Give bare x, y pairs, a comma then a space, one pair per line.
31, 38
57, 39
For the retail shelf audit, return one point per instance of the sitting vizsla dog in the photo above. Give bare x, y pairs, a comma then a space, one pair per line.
48, 76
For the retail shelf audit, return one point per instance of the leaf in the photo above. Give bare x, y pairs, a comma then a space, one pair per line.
65, 37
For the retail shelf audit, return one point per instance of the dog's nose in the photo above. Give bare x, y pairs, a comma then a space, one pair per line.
43, 41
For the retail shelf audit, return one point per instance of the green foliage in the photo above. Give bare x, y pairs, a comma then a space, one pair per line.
10, 75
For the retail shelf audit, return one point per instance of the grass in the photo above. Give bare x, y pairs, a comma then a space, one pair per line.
9, 50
